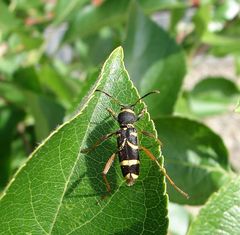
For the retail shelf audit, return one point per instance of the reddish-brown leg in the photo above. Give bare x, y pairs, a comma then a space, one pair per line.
106, 169
151, 156
152, 136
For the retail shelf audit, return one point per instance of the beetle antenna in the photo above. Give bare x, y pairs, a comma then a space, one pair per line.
117, 101
149, 93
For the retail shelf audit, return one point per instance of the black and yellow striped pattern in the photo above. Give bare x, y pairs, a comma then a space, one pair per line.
128, 153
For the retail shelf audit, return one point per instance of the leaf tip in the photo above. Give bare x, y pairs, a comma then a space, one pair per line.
118, 51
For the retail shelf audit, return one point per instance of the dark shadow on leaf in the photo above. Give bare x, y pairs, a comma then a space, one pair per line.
97, 158
74, 185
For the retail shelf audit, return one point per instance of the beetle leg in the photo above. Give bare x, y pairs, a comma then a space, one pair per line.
151, 156
100, 141
152, 136
106, 169
112, 113
122, 145
140, 115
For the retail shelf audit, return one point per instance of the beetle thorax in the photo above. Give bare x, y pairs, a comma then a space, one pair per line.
126, 116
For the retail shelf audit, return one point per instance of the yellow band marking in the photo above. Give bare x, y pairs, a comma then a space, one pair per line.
123, 144
133, 133
131, 176
129, 162
127, 110
133, 146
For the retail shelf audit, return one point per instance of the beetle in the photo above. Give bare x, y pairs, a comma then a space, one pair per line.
128, 144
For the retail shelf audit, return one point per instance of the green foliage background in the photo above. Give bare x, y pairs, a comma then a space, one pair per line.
53, 54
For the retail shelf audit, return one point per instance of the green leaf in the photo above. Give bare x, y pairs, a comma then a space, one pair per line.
221, 213
176, 16
47, 113
65, 9
182, 106
212, 96
93, 18
27, 79
64, 87
85, 87
154, 61
110, 13
237, 109
195, 158
237, 64
221, 44
7, 89
179, 219
8, 21
201, 19
26, 5
10, 63
98, 46
155, 5
10, 116
59, 189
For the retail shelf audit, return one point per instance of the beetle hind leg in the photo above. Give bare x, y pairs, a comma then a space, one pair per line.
151, 156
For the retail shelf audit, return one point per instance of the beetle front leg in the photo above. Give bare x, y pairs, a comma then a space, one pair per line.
112, 113
140, 115
100, 141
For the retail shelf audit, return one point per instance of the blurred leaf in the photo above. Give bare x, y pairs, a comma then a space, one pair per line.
65, 9
10, 63
237, 109
64, 87
182, 107
44, 79
86, 86
8, 21
58, 190
232, 29
221, 45
110, 13
29, 42
27, 79
154, 61
93, 18
221, 213
19, 151
11, 94
176, 15
47, 113
196, 26
212, 96
26, 4
179, 219
195, 158
98, 46
154, 5
201, 19
9, 118
226, 10
237, 64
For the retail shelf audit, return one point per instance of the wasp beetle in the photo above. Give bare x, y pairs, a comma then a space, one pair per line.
128, 145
